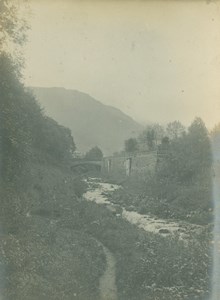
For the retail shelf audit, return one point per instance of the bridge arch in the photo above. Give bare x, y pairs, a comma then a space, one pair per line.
86, 165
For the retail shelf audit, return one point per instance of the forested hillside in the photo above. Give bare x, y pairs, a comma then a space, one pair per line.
91, 122
41, 250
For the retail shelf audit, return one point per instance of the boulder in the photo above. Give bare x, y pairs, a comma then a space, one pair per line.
164, 231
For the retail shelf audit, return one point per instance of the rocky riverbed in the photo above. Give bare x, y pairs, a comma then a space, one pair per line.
98, 193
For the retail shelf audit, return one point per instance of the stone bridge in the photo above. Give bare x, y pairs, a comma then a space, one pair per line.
87, 163
138, 163
121, 165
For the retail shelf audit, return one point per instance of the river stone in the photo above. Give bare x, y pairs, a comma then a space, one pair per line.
164, 230
181, 230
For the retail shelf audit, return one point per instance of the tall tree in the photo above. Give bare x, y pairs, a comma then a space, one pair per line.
175, 129
152, 135
13, 126
159, 132
215, 139
94, 153
131, 145
184, 174
199, 140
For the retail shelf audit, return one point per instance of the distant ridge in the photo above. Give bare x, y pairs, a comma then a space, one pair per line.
91, 122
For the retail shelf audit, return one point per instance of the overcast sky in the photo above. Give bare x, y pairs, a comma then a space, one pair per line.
156, 61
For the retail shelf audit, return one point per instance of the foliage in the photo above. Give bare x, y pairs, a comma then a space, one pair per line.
151, 136
187, 165
194, 156
24, 130
54, 140
148, 264
14, 123
79, 186
131, 145
12, 27
40, 256
94, 154
15, 135
181, 186
23, 127
46, 255
215, 132
47, 249
175, 130
215, 139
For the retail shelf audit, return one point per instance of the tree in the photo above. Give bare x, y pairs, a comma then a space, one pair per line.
215, 139
15, 136
199, 145
12, 26
147, 137
14, 132
190, 154
54, 141
94, 153
184, 174
158, 132
152, 135
215, 131
175, 129
131, 145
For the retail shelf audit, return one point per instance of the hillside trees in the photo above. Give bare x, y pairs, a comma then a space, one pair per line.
15, 133
191, 153
215, 138
131, 145
175, 129
148, 137
15, 103
181, 186
24, 129
12, 26
184, 174
198, 138
94, 153
151, 136
57, 140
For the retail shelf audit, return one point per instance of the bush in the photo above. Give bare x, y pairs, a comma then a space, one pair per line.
148, 262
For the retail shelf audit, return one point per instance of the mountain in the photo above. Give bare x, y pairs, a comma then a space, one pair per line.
91, 122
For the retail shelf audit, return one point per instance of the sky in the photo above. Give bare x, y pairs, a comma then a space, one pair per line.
158, 61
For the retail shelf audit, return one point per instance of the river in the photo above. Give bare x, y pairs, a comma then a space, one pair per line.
97, 193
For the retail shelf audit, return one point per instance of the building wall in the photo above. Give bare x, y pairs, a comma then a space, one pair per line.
127, 165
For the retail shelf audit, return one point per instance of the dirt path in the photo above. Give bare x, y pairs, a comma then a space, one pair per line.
107, 286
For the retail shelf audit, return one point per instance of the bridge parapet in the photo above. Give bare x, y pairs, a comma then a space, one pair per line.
130, 164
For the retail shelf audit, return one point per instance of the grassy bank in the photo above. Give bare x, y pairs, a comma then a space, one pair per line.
49, 250
142, 194
150, 266
42, 255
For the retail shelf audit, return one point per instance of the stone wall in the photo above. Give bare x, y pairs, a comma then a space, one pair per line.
127, 165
